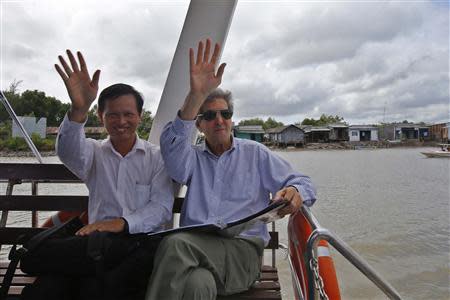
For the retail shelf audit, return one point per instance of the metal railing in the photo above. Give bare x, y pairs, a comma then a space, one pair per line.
15, 119
26, 136
319, 233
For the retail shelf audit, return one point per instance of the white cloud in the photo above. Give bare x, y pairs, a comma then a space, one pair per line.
287, 59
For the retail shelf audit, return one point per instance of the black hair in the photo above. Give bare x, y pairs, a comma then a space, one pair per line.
116, 90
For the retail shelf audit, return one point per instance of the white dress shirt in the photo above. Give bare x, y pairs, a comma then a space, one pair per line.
135, 187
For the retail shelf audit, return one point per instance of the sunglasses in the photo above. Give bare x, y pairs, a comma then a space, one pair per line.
210, 115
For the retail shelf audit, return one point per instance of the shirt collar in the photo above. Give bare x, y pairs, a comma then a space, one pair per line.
204, 147
138, 145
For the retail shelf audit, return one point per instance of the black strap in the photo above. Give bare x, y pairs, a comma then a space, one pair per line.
14, 257
16, 254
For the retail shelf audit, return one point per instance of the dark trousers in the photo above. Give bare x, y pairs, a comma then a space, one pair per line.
70, 268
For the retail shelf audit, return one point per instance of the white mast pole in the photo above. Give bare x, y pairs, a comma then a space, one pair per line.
204, 19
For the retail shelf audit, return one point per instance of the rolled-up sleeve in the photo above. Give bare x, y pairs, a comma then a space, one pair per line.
277, 173
176, 149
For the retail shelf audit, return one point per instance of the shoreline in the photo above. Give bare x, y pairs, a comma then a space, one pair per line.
352, 146
26, 153
308, 147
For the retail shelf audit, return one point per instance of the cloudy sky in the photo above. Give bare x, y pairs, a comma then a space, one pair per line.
366, 61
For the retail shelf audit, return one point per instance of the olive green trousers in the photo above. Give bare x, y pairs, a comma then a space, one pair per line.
196, 266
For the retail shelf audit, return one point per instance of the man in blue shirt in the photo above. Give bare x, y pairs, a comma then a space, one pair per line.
228, 178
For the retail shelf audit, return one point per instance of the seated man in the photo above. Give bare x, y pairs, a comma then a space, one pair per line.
129, 189
228, 178
125, 175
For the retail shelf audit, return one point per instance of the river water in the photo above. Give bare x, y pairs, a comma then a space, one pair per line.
390, 205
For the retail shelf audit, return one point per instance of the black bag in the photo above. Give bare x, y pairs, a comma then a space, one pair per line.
15, 255
98, 266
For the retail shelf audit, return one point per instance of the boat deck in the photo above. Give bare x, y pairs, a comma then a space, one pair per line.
267, 287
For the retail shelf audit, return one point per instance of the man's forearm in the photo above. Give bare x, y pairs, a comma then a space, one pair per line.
77, 115
72, 147
191, 106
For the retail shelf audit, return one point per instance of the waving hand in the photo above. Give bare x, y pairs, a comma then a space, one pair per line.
202, 70
203, 77
81, 88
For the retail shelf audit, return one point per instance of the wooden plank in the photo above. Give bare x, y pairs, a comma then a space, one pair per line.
267, 285
41, 172
21, 280
269, 277
15, 291
253, 294
267, 268
43, 203
17, 273
4, 264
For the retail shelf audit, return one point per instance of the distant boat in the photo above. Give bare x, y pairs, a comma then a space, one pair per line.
444, 152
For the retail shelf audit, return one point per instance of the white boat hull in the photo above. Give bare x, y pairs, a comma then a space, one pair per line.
437, 154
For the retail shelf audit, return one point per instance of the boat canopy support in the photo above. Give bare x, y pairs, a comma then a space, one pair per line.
25, 134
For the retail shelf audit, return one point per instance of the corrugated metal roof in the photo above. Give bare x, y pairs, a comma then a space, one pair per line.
338, 125
404, 125
280, 129
276, 129
249, 128
354, 127
315, 128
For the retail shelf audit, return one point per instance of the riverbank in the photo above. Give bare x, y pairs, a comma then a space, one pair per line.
307, 147
355, 145
25, 153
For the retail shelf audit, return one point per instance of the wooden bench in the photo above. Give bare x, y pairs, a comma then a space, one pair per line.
267, 287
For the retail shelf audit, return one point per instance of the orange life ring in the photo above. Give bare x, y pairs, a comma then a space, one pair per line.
299, 230
63, 216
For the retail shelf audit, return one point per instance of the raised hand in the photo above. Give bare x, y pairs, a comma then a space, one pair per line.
203, 78
82, 90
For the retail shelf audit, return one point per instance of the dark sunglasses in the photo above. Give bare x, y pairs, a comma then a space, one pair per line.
210, 115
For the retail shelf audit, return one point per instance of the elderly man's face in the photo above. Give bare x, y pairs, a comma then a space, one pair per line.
218, 130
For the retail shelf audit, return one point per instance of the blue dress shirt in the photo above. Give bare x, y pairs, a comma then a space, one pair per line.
231, 186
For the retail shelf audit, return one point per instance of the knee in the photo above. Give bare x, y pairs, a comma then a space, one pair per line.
174, 242
200, 285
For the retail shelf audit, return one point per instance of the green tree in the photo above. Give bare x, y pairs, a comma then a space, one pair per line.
271, 123
34, 103
310, 122
93, 120
254, 121
323, 120
146, 124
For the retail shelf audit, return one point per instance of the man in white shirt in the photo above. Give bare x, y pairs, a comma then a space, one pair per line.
128, 184
129, 191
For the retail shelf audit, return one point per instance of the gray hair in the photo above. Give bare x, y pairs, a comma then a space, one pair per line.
219, 94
